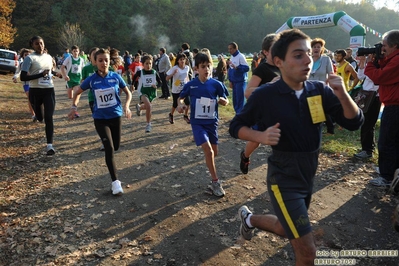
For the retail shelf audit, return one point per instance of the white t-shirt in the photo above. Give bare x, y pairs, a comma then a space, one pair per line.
35, 64
179, 79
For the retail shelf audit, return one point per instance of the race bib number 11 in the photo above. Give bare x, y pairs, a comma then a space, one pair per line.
205, 108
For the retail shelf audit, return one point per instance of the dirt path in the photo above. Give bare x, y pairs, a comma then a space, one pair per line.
59, 210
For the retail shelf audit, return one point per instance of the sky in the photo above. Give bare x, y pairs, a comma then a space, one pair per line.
391, 4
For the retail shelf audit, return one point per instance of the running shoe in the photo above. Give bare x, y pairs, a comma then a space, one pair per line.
363, 155
187, 119
246, 232
148, 128
117, 188
217, 189
244, 163
138, 110
394, 188
380, 182
34, 119
50, 150
171, 119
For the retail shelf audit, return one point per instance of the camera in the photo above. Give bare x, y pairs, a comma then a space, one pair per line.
370, 50
376, 50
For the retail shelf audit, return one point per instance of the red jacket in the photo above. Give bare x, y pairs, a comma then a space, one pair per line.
387, 76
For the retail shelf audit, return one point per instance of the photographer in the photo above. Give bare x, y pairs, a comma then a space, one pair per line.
386, 75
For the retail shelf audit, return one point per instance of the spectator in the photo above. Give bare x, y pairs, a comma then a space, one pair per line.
238, 76
386, 75
163, 67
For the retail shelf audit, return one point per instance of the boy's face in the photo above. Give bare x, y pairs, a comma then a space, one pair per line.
75, 53
137, 59
148, 64
298, 62
204, 70
38, 46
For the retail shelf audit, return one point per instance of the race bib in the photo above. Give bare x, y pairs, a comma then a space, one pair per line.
45, 81
205, 108
148, 80
75, 69
105, 98
316, 109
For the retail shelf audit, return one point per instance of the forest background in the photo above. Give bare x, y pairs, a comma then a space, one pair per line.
149, 24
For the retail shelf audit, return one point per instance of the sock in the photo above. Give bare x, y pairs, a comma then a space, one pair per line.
248, 220
215, 180
49, 145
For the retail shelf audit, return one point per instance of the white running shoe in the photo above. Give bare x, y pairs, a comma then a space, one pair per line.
117, 188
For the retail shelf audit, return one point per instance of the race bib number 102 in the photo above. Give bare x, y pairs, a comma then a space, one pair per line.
105, 98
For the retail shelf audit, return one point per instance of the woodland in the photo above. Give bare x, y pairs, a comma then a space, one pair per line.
150, 24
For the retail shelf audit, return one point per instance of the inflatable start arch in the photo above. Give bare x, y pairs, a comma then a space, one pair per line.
346, 23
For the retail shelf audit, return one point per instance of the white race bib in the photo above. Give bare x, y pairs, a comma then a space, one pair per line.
45, 81
148, 80
205, 108
105, 98
75, 69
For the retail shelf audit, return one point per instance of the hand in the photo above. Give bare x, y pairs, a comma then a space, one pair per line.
66, 78
272, 135
127, 112
71, 115
336, 83
181, 108
14, 79
46, 72
223, 101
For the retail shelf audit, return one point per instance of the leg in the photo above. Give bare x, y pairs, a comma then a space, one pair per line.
104, 131
210, 158
146, 105
367, 130
49, 107
36, 101
30, 105
69, 92
388, 142
268, 223
304, 249
250, 147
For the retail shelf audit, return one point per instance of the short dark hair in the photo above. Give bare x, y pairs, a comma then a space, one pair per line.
147, 57
180, 55
101, 51
234, 45
185, 46
284, 39
202, 58
74, 47
341, 52
268, 41
34, 38
163, 50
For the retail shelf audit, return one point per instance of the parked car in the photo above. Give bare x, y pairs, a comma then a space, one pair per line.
8, 61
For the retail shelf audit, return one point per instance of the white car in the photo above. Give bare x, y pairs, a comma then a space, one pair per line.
8, 61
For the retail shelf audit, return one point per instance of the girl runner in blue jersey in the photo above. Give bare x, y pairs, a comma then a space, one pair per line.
107, 110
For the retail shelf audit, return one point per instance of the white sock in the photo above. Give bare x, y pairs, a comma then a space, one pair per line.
49, 145
248, 220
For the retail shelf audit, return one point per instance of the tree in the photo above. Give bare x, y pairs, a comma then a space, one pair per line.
7, 32
71, 34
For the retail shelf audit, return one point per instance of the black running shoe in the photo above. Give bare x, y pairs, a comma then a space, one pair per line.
244, 163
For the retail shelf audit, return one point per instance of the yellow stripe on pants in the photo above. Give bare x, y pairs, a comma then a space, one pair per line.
279, 198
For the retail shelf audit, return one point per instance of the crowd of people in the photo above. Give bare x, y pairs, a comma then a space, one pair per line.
295, 90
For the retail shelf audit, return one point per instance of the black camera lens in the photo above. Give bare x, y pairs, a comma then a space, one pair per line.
366, 51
